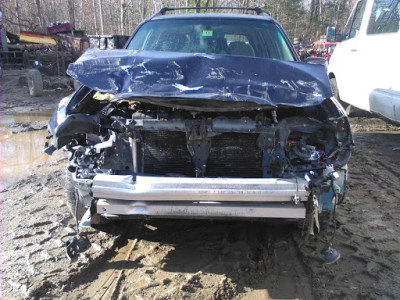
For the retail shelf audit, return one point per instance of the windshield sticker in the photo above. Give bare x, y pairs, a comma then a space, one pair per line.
207, 33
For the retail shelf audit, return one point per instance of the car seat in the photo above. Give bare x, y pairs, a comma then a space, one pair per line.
240, 48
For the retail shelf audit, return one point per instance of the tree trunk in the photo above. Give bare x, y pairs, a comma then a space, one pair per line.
95, 17
40, 14
101, 16
122, 24
71, 12
81, 19
197, 4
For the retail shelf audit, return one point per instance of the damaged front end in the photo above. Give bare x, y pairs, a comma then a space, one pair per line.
139, 154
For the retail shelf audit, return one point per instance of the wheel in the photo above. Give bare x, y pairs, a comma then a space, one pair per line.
70, 197
334, 88
347, 107
35, 83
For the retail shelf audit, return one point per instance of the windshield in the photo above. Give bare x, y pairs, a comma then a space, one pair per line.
216, 36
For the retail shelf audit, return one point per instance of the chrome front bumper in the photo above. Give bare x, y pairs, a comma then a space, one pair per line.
200, 197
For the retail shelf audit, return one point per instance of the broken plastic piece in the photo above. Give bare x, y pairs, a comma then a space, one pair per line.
77, 244
85, 221
50, 150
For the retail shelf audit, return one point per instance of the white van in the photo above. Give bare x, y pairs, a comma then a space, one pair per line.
365, 67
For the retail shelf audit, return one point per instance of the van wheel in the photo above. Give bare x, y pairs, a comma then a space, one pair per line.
35, 83
334, 88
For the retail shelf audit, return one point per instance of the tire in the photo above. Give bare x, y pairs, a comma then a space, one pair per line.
347, 107
334, 88
70, 197
35, 83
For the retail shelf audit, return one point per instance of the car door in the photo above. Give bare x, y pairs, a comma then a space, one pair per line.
383, 39
347, 62
383, 82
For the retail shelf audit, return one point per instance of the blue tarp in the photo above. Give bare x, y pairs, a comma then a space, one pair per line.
176, 79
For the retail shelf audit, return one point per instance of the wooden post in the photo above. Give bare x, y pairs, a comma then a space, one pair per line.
18, 16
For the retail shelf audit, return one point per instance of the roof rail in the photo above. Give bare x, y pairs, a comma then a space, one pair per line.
258, 10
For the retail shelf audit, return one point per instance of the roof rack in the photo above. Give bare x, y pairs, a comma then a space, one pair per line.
258, 10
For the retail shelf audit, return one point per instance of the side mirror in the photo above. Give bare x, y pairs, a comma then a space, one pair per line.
331, 34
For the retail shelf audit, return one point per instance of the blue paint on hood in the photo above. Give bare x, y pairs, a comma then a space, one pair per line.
186, 80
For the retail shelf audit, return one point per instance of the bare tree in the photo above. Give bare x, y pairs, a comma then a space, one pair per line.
122, 16
40, 14
94, 16
101, 16
18, 16
71, 12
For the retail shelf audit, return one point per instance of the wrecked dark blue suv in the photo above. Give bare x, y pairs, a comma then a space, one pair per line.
202, 115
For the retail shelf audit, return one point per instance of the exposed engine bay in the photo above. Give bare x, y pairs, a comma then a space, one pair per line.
140, 140
208, 144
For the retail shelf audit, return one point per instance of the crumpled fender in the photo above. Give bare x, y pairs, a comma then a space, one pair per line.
169, 77
74, 126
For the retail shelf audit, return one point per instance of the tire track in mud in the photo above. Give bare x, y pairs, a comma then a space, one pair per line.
368, 234
178, 259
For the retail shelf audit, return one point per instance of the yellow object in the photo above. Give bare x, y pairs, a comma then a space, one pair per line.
105, 96
37, 39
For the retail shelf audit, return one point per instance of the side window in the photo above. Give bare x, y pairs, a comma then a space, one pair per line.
353, 26
384, 17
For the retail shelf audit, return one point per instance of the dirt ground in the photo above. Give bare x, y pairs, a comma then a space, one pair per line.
194, 259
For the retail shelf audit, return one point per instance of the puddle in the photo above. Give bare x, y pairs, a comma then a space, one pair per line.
28, 117
23, 151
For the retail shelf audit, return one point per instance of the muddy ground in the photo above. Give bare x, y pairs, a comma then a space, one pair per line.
193, 259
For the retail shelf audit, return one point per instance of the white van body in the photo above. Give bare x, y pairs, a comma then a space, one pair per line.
366, 64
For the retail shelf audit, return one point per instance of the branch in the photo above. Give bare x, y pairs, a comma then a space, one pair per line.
127, 6
19, 24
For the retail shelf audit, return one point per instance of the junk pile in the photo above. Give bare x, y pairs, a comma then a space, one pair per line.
50, 54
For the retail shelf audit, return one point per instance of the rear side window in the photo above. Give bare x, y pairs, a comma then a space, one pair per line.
353, 25
219, 36
385, 17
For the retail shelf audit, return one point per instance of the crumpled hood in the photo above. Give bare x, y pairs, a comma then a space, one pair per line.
207, 82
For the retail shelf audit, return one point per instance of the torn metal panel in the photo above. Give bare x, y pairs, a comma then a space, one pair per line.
186, 80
